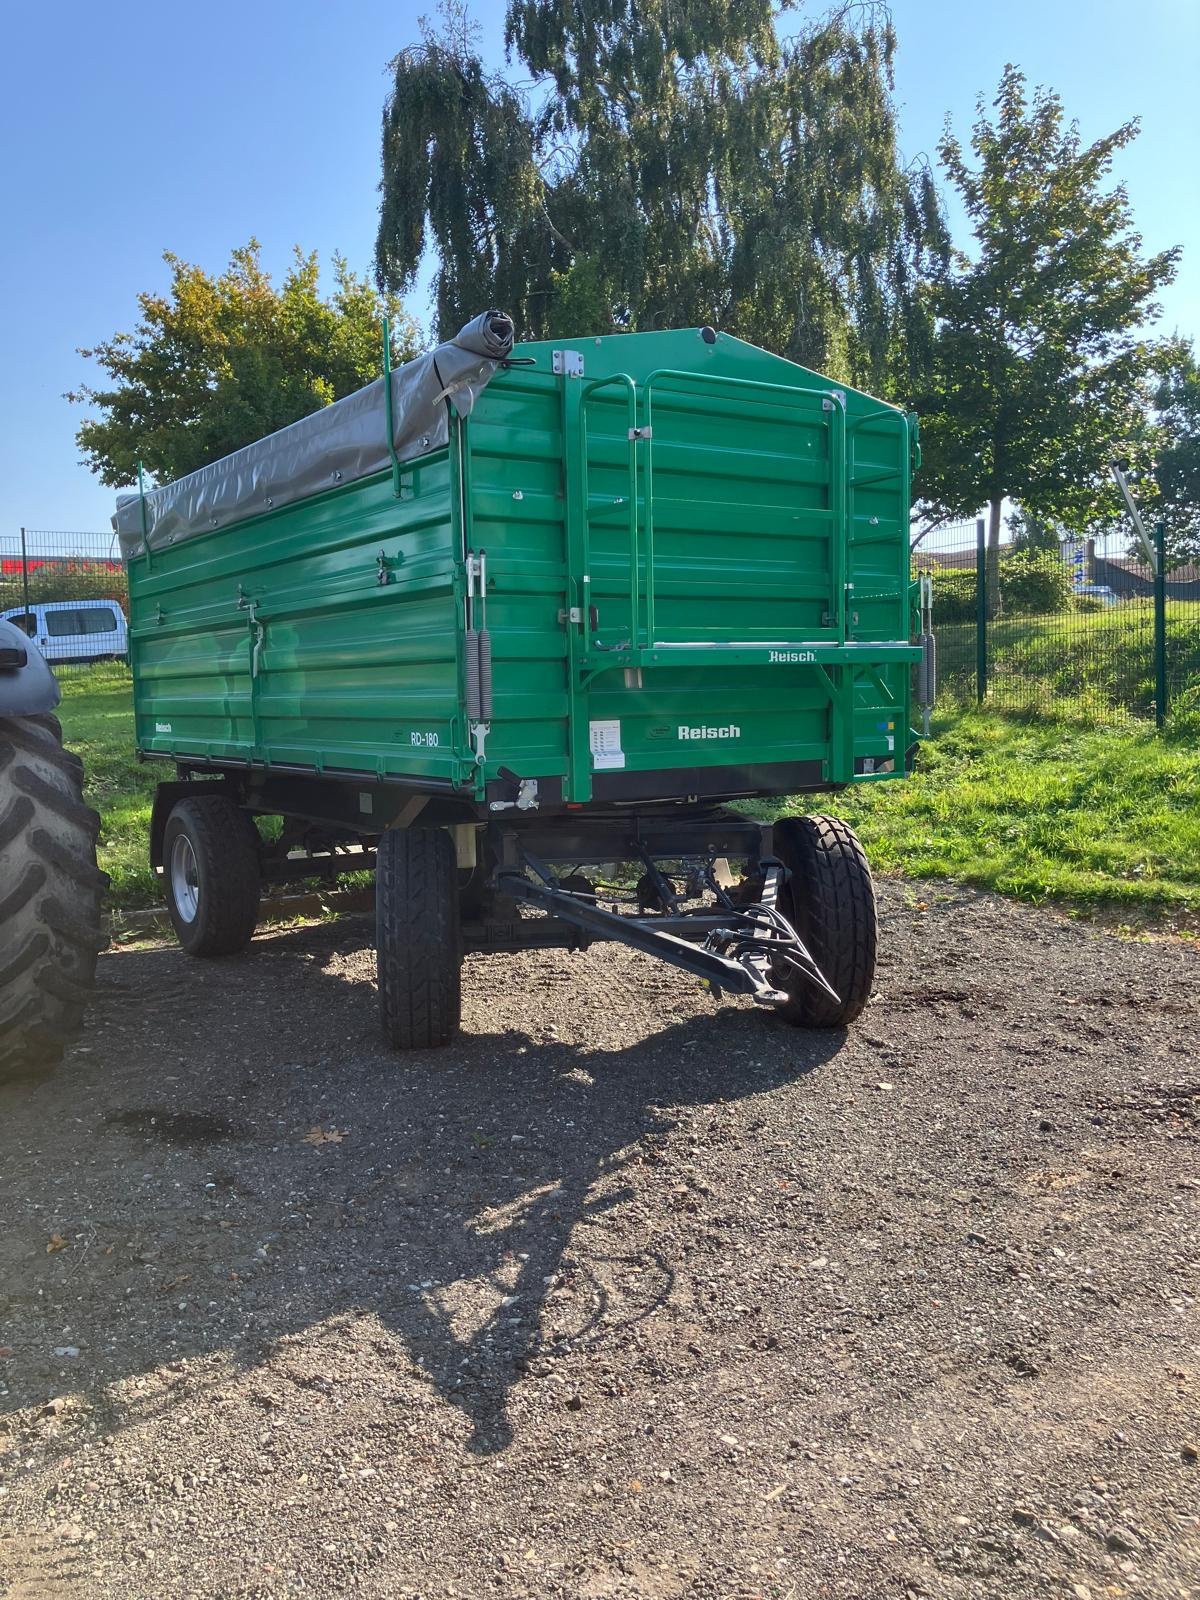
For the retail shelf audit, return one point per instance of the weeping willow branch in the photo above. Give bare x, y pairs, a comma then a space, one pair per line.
656, 162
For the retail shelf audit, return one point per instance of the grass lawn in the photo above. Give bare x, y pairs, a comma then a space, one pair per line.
1082, 666
97, 718
1105, 819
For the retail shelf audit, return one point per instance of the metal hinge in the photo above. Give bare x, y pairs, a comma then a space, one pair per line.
569, 362
575, 614
641, 433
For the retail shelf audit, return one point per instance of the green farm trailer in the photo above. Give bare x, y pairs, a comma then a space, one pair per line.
516, 626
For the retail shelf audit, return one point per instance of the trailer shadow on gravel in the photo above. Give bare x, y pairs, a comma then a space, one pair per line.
236, 1167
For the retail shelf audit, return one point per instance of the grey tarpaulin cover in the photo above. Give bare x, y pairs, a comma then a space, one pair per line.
337, 444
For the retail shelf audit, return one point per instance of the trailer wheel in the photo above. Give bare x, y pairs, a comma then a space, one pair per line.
50, 889
212, 875
830, 901
417, 938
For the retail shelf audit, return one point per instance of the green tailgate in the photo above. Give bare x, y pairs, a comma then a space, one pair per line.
727, 535
697, 557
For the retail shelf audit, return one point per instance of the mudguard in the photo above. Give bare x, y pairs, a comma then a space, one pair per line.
27, 685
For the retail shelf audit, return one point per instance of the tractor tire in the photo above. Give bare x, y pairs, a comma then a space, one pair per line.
50, 896
212, 875
830, 901
417, 937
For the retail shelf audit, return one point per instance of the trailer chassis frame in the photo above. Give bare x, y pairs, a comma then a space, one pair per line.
734, 945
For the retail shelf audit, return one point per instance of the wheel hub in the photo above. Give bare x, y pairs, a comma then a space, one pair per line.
185, 878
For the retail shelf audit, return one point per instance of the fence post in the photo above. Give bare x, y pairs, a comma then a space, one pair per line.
981, 660
1160, 626
25, 579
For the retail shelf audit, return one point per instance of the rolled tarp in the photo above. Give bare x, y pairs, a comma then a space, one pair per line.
338, 444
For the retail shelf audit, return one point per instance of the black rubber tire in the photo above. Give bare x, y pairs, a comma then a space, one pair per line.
830, 901
47, 719
50, 896
417, 937
226, 852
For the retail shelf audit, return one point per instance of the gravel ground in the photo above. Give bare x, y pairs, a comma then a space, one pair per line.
630, 1292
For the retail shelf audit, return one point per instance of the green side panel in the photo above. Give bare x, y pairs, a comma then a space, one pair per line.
320, 636
696, 557
518, 518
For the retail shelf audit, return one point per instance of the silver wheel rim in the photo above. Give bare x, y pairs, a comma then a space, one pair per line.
185, 878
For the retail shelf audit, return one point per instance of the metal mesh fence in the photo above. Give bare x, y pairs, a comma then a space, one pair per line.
1073, 630
950, 558
1077, 629
68, 591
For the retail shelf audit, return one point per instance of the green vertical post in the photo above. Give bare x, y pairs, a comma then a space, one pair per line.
577, 592
1160, 626
981, 660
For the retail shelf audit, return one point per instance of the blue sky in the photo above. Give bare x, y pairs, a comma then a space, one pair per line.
129, 128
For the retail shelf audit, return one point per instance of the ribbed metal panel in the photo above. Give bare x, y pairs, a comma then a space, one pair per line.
728, 587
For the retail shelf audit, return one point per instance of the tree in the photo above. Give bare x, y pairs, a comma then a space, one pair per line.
1034, 581
1031, 532
1176, 472
216, 363
672, 162
1038, 362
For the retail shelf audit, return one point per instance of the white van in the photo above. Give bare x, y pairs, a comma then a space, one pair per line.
73, 630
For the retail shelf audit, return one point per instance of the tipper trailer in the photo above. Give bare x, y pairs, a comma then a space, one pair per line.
514, 626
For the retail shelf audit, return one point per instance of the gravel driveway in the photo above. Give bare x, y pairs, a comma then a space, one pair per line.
630, 1292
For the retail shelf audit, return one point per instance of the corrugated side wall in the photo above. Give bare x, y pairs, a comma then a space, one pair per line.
758, 499
276, 640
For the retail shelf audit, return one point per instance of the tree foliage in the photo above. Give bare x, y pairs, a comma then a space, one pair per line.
668, 163
70, 580
1176, 470
218, 362
1030, 532
1161, 458
1039, 360
1033, 582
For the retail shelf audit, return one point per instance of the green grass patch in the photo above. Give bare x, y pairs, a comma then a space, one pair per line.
97, 718
1106, 819
1079, 664
1103, 818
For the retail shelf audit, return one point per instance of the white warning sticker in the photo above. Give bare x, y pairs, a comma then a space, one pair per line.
605, 740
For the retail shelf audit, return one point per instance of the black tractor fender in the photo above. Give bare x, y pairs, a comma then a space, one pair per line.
27, 686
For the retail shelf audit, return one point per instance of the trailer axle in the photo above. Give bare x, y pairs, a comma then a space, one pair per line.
731, 947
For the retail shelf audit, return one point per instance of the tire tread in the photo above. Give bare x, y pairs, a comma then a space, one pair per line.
51, 901
227, 853
832, 903
418, 940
